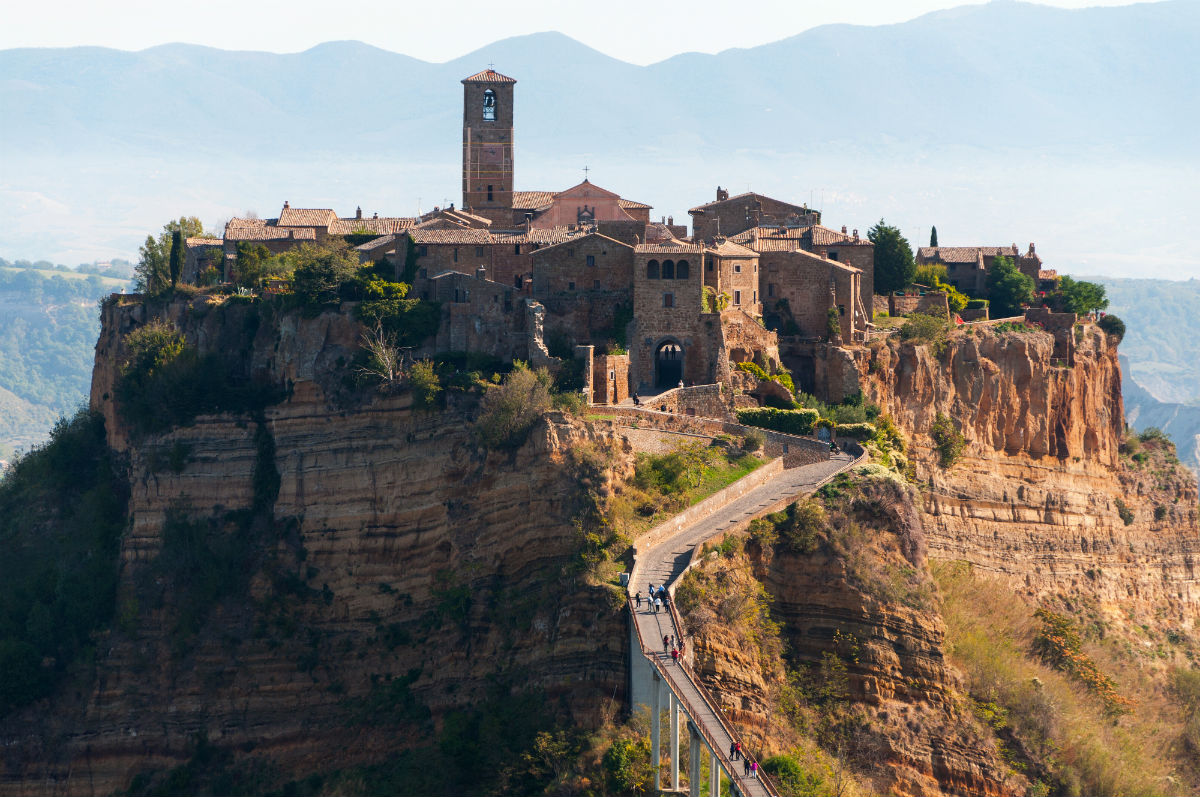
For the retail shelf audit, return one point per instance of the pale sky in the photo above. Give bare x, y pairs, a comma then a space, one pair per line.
638, 31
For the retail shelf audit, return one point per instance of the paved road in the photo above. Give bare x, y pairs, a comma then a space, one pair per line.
665, 562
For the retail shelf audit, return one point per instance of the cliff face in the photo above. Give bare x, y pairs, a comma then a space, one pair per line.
324, 585
1038, 492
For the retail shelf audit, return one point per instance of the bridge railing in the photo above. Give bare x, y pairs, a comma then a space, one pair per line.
669, 674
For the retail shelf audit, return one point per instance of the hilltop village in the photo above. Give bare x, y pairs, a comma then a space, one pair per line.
588, 273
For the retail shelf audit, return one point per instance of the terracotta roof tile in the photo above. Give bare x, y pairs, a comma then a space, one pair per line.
488, 76
629, 204
466, 235
823, 236
965, 254
306, 217
670, 247
730, 249
191, 242
1047, 274
554, 235
531, 200
380, 226
700, 208
377, 243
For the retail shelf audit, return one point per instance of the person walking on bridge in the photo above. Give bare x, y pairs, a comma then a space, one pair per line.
675, 655
746, 767
638, 597
666, 643
658, 605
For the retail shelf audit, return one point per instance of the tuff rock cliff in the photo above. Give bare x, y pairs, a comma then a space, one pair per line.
396, 586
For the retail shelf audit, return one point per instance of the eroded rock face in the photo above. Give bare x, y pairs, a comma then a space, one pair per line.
395, 547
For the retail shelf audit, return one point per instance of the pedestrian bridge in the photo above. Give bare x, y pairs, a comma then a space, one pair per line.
661, 684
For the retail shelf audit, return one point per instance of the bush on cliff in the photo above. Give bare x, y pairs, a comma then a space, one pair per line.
926, 329
1113, 326
510, 410
165, 383
407, 321
62, 512
799, 422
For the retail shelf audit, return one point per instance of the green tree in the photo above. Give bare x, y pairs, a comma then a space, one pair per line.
1008, 288
933, 236
152, 274
176, 259
1080, 296
252, 265
894, 265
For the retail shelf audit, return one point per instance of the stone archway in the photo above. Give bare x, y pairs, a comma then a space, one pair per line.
668, 365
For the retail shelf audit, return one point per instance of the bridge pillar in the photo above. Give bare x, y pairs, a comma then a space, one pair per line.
714, 774
694, 755
656, 729
675, 708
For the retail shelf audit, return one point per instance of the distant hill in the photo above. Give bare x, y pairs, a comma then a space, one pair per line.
998, 123
1181, 422
1163, 338
48, 326
1004, 74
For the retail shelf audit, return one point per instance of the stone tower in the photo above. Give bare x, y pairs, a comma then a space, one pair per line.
488, 146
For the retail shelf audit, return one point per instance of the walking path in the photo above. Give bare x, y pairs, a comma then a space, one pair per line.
664, 563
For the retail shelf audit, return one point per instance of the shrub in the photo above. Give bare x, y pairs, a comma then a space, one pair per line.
1060, 645
424, 383
856, 431
753, 441
754, 369
926, 329
510, 410
976, 304
1113, 327
833, 325
799, 422
1125, 512
319, 275
948, 441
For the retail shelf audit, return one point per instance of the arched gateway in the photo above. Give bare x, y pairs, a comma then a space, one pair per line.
668, 365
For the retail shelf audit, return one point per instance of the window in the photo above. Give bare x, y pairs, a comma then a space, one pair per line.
422, 251
708, 264
596, 284
479, 251
495, 298
424, 272
570, 252
770, 289
755, 299
652, 270
517, 282
456, 254
841, 309
681, 270
489, 193
737, 297
668, 300
516, 249
668, 270
570, 286
737, 268
489, 106
833, 255
591, 260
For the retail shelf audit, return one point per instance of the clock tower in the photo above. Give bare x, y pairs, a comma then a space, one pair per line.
488, 146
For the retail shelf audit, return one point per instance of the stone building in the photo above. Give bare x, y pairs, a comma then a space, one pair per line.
842, 246
967, 266
729, 216
800, 287
731, 271
199, 254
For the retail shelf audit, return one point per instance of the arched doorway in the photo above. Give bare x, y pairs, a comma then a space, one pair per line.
668, 365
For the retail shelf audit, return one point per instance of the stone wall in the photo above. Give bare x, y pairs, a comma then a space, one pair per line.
668, 311
478, 315
610, 378
859, 255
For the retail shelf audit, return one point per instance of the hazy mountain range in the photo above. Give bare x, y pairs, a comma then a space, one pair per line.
1000, 122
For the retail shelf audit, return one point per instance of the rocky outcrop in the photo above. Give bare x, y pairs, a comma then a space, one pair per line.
391, 546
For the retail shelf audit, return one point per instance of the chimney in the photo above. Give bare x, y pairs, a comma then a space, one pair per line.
528, 222
856, 233
1032, 250
375, 216
671, 223
286, 205
358, 212
843, 229
481, 272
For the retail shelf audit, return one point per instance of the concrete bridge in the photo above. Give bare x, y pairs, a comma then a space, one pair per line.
661, 684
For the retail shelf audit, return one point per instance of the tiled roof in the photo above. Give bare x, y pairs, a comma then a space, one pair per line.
1048, 274
965, 254
376, 243
612, 241
306, 217
700, 208
730, 249
488, 76
203, 242
792, 233
823, 236
465, 235
380, 226
265, 230
554, 235
777, 245
671, 247
531, 200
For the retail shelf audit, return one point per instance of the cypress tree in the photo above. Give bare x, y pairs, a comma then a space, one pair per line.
933, 236
176, 262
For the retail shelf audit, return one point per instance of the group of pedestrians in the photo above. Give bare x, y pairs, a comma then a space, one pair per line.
657, 599
749, 768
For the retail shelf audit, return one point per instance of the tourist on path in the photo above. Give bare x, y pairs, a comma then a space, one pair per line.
737, 747
639, 599
745, 766
675, 655
666, 643
733, 751
658, 604
754, 769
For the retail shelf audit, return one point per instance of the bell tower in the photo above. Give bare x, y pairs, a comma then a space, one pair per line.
488, 146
